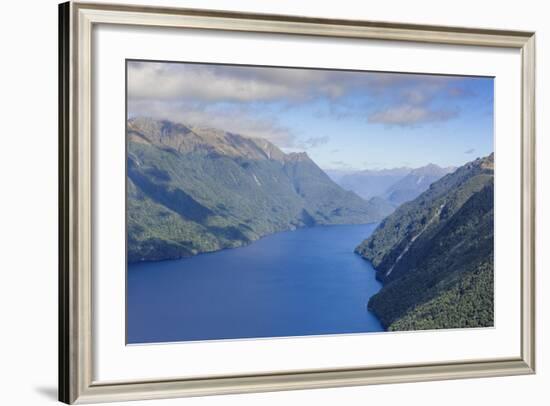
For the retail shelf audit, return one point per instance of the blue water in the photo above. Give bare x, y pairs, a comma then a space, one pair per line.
294, 283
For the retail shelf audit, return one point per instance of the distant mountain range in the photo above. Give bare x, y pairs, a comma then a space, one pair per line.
396, 186
435, 254
193, 190
369, 183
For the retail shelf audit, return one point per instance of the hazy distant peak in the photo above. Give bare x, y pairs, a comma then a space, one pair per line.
401, 171
431, 170
428, 167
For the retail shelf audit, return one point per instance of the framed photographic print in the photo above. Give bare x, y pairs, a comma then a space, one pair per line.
263, 202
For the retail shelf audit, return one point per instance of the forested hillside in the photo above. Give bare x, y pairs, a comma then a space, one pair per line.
193, 190
435, 255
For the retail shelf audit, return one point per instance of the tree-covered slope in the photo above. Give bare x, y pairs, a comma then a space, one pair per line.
193, 190
435, 255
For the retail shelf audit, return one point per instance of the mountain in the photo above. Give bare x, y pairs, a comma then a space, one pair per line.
396, 186
337, 174
434, 254
192, 190
370, 183
414, 183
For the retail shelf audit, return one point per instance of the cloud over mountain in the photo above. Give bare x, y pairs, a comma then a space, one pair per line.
308, 109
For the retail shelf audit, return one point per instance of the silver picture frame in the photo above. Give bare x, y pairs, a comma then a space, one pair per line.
76, 21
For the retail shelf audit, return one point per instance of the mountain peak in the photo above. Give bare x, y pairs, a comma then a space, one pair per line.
483, 163
430, 169
397, 171
186, 138
488, 162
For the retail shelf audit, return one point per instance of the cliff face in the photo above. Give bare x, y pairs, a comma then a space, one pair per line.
193, 190
435, 255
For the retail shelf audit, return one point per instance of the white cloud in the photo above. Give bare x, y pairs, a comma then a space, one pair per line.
169, 81
231, 119
242, 98
234, 83
407, 115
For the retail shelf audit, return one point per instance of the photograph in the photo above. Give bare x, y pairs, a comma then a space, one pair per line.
267, 202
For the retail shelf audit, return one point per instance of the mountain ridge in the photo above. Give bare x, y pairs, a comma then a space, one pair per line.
434, 254
395, 185
194, 190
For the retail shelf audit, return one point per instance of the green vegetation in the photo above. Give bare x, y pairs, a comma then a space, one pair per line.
193, 190
435, 255
468, 303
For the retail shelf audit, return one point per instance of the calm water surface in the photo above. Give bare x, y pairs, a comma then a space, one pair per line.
294, 283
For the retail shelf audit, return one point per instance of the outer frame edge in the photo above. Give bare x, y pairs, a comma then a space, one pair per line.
528, 215
266, 17
300, 381
75, 385
64, 369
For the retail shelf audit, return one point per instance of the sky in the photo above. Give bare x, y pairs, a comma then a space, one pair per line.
344, 120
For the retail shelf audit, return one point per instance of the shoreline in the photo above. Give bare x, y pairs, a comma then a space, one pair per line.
129, 263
